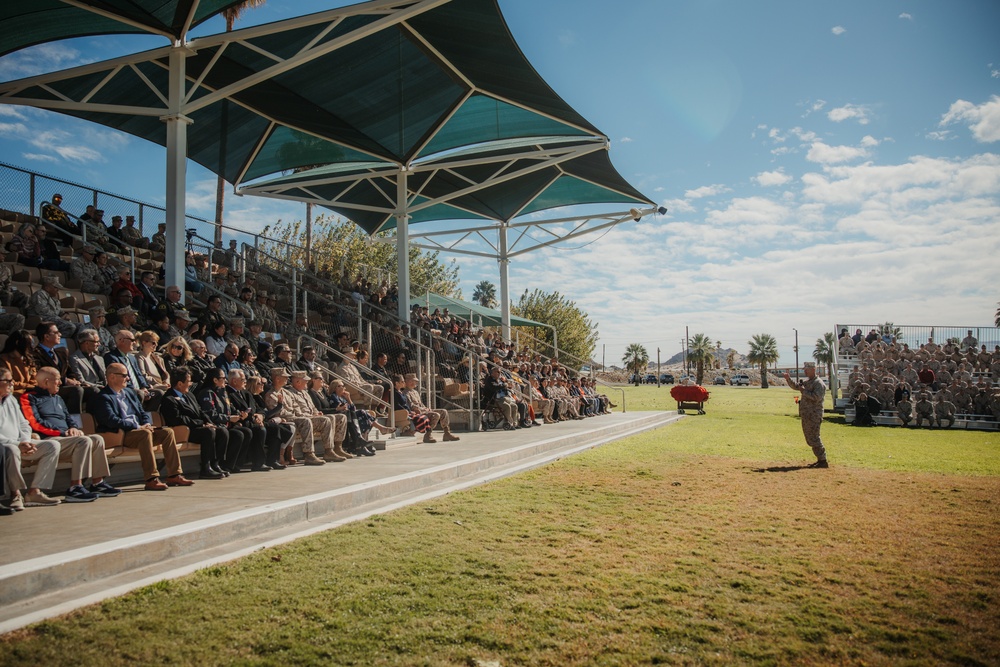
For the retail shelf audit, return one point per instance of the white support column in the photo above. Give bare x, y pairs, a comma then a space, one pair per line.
177, 124
402, 246
504, 282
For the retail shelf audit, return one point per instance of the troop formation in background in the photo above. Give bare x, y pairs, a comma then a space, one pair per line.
930, 385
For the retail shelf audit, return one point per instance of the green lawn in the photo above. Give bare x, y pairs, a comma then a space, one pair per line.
699, 543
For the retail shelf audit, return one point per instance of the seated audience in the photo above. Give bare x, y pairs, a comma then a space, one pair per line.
49, 417
15, 438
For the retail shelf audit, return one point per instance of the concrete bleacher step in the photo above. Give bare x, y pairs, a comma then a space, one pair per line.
72, 555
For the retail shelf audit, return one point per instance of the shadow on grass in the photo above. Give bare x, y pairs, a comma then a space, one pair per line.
781, 469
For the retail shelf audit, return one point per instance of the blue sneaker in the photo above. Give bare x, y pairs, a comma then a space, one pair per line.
105, 490
78, 494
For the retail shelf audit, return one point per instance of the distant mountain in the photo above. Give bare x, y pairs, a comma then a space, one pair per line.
721, 355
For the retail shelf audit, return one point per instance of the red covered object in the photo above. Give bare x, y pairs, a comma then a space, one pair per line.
690, 393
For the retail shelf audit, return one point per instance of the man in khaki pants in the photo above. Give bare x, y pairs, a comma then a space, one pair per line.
117, 408
49, 417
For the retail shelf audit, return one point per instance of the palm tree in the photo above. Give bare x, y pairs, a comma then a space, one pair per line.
701, 350
763, 351
891, 329
636, 359
824, 352
485, 294
731, 359
231, 15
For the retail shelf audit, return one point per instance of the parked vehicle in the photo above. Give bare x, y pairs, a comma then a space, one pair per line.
740, 379
650, 378
719, 380
666, 378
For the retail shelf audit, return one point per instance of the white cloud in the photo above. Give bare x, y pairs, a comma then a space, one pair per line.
803, 135
824, 154
11, 111
940, 135
813, 107
40, 157
858, 112
625, 140
677, 206
907, 16
868, 141
40, 59
772, 178
706, 191
775, 135
983, 120
995, 73
838, 30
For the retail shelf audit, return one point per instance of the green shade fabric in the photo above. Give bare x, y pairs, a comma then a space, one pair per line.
381, 87
473, 312
588, 179
28, 22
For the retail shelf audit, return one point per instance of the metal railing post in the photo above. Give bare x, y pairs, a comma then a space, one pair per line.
360, 322
295, 294
31, 190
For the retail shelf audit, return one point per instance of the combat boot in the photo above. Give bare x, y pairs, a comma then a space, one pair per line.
310, 459
338, 449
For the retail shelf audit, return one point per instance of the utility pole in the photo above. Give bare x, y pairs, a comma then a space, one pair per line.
687, 337
604, 352
796, 352
657, 367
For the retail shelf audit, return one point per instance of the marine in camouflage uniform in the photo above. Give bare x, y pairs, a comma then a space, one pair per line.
92, 279
944, 410
904, 410
10, 297
45, 304
811, 410
924, 410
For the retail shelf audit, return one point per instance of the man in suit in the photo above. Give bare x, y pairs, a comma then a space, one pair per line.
147, 289
48, 353
117, 408
87, 364
180, 408
136, 381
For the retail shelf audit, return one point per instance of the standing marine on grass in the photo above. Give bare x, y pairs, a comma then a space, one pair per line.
811, 410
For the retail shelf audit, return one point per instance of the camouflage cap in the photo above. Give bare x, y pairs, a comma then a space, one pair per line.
279, 371
97, 311
300, 375
51, 281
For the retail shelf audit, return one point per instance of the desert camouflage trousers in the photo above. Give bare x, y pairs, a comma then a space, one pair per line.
811, 422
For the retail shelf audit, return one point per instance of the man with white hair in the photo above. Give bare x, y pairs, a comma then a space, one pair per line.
49, 417
15, 438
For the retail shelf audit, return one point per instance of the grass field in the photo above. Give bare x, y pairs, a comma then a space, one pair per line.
704, 542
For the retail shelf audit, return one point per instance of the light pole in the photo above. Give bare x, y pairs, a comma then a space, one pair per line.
796, 351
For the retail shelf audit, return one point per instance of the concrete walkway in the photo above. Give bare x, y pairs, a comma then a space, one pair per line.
54, 560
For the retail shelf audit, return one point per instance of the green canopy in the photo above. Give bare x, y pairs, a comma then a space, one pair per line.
28, 22
473, 312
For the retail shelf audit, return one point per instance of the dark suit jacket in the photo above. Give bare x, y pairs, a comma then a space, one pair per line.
59, 359
182, 410
136, 379
108, 413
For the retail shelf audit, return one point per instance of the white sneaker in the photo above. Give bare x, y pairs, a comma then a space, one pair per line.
39, 499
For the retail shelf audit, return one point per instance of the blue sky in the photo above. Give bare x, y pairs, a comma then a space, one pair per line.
821, 162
